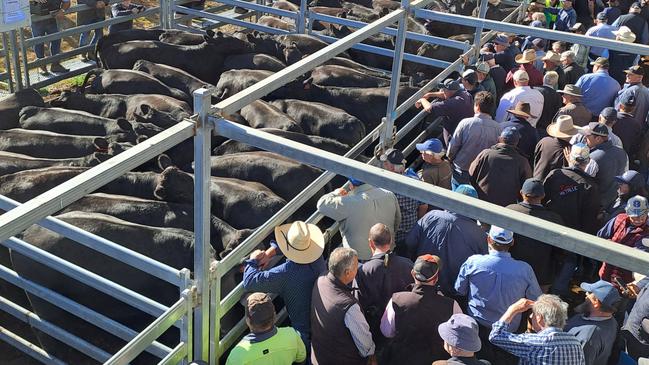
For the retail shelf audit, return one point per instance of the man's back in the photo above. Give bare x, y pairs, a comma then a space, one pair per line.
611, 161
523, 94
551, 104
280, 346
498, 174
596, 334
548, 156
641, 94
636, 23
472, 136
599, 90
573, 195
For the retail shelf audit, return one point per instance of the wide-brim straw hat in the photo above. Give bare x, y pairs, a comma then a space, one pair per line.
552, 57
300, 242
570, 89
529, 55
563, 127
625, 34
521, 110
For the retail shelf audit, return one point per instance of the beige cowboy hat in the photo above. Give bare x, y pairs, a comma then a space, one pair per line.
551, 56
300, 242
571, 89
563, 127
529, 55
521, 110
624, 34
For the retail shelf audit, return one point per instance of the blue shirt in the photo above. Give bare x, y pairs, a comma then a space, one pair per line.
293, 282
548, 347
452, 237
566, 18
600, 31
599, 90
493, 282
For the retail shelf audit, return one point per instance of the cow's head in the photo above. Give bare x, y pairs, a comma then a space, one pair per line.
175, 185
227, 44
64, 98
292, 53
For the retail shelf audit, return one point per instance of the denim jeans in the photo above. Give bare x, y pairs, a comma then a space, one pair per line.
459, 177
85, 36
42, 28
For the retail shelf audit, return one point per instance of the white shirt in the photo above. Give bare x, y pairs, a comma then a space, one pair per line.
525, 94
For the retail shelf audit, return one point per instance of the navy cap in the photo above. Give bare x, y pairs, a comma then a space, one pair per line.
355, 182
510, 135
393, 156
602, 16
604, 291
636, 5
595, 129
632, 178
627, 99
501, 40
466, 189
609, 113
539, 42
449, 84
533, 187
433, 145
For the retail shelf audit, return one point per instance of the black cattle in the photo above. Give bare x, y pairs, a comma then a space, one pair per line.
171, 76
260, 114
15, 162
345, 62
171, 246
243, 204
254, 61
124, 106
129, 82
323, 120
76, 123
50, 145
202, 61
341, 76
233, 81
158, 213
148, 115
127, 35
288, 52
11, 105
271, 21
181, 37
327, 144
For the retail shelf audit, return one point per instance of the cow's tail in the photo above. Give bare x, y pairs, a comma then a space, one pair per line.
94, 72
98, 46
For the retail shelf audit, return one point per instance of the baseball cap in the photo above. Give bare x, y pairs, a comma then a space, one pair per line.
355, 182
632, 178
533, 187
482, 67
595, 129
461, 331
635, 70
466, 189
635, 5
609, 113
601, 61
260, 308
510, 135
501, 39
539, 42
501, 236
393, 156
449, 84
627, 99
470, 76
521, 75
433, 145
602, 16
426, 267
536, 24
580, 152
604, 291
637, 206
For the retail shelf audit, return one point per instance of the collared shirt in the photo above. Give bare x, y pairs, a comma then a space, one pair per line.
548, 347
600, 31
409, 208
493, 282
599, 90
277, 346
521, 94
360, 330
389, 324
358, 211
472, 136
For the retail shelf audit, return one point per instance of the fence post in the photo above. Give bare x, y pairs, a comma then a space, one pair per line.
386, 139
478, 30
186, 334
215, 310
301, 18
8, 70
23, 51
202, 149
16, 58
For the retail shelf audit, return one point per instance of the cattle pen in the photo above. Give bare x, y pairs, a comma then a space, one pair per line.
200, 306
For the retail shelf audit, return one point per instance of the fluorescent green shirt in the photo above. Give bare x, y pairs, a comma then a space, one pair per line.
283, 348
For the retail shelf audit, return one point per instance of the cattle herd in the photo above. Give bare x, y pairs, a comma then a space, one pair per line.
145, 85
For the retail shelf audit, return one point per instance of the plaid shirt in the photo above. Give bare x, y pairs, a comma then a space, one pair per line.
551, 346
408, 207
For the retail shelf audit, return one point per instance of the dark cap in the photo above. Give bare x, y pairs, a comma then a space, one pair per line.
533, 187
539, 42
635, 70
510, 135
501, 40
601, 61
449, 84
609, 113
393, 156
487, 56
470, 76
595, 129
602, 16
635, 5
632, 178
627, 99
259, 308
427, 267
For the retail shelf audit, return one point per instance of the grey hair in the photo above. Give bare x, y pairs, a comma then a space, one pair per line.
551, 78
342, 259
553, 310
568, 54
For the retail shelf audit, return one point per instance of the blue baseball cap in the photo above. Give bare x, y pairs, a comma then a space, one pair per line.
355, 182
501, 39
632, 178
604, 291
433, 145
510, 135
501, 236
466, 189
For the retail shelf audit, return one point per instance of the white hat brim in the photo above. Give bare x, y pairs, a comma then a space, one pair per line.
305, 256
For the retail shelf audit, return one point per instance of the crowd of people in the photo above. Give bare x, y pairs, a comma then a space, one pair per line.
547, 129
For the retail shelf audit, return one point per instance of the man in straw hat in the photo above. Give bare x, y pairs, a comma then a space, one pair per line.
552, 62
302, 244
634, 87
598, 88
571, 69
549, 152
521, 92
573, 106
461, 341
621, 61
339, 332
266, 344
529, 135
411, 317
525, 61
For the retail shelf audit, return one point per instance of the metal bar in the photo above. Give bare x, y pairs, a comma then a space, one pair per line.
19, 218
14, 53
389, 53
261, 8
397, 61
202, 181
535, 32
301, 19
58, 57
7, 56
187, 329
104, 246
78, 310
56, 332
132, 349
478, 30
23, 51
278, 79
232, 21
551, 233
175, 356
216, 312
389, 31
87, 277
28, 348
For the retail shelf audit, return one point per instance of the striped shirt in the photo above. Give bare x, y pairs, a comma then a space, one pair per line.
551, 346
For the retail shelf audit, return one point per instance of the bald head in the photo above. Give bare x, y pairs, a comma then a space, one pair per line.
380, 235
